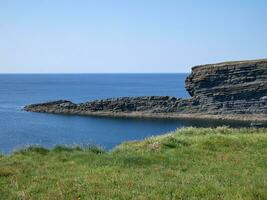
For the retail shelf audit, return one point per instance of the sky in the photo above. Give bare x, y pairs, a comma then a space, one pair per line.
128, 36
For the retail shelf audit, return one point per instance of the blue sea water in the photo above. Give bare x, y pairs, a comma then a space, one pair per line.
19, 128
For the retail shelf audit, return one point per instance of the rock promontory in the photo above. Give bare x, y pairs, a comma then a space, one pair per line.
230, 90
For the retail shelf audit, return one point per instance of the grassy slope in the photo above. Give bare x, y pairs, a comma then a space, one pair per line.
191, 163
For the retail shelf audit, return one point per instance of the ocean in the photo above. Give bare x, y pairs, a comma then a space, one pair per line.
19, 128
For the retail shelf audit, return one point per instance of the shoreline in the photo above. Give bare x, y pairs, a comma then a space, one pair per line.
146, 115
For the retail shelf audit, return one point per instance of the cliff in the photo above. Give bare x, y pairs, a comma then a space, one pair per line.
230, 90
231, 87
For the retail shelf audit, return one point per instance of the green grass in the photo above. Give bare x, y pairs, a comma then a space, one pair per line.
192, 163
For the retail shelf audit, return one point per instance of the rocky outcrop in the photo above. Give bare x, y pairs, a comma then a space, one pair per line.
151, 104
230, 90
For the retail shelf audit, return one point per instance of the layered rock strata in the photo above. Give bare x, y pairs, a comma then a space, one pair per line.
230, 90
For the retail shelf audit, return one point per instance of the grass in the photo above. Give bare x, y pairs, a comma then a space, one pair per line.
191, 163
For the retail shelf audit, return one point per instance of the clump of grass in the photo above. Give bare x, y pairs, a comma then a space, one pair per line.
85, 148
32, 149
5, 172
94, 149
172, 142
65, 148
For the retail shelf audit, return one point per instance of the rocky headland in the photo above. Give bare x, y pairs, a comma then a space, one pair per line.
229, 90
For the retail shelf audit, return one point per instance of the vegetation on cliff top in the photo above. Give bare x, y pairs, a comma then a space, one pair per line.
191, 163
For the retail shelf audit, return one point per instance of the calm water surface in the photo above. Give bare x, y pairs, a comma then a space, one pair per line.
19, 128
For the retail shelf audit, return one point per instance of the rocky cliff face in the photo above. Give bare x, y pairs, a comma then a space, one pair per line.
233, 87
230, 90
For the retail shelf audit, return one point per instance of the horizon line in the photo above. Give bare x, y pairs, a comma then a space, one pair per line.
48, 73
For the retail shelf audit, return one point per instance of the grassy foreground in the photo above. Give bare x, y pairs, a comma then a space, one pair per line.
191, 163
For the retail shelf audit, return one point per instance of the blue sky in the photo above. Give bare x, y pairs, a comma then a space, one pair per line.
111, 36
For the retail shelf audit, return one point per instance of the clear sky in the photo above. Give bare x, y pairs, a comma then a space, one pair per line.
63, 36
